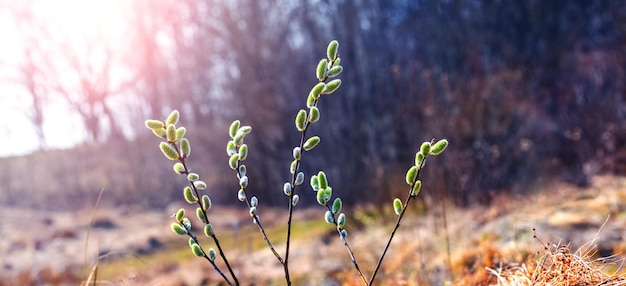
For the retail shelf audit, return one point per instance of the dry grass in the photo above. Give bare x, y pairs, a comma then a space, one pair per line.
560, 266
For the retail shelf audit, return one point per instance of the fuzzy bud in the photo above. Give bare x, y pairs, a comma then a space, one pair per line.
180, 214
172, 118
320, 72
200, 215
301, 120
331, 51
439, 147
185, 148
178, 229
337, 205
311, 143
168, 151
190, 197
179, 168
332, 86
232, 130
416, 188
411, 175
206, 202
154, 124
197, 250
314, 114
287, 189
397, 206
299, 179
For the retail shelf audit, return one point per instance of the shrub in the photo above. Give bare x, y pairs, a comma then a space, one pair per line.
176, 147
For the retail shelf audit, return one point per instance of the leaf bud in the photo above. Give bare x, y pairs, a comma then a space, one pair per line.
297, 153
206, 202
242, 170
170, 133
315, 183
322, 180
200, 215
287, 189
178, 229
254, 202
231, 149
185, 148
190, 197
299, 179
208, 230
243, 152
397, 206
241, 195
331, 51
337, 205
411, 175
311, 143
439, 147
341, 220
332, 86
310, 101
344, 234
232, 162
317, 90
294, 200
168, 151
335, 71
154, 124
245, 129
243, 182
238, 139
232, 130
416, 188
293, 166
320, 72
197, 250
328, 217
159, 132
419, 159
314, 114
186, 222
172, 118
192, 177
425, 148
321, 198
212, 254
301, 120
200, 185
180, 214
179, 168
180, 132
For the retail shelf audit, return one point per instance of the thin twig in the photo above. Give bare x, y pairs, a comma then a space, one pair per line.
404, 207
345, 243
213, 236
195, 240
257, 221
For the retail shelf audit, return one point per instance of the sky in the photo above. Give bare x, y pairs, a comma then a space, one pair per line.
70, 21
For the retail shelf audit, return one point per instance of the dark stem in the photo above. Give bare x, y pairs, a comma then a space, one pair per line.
345, 243
382, 256
196, 193
257, 221
406, 203
293, 191
195, 240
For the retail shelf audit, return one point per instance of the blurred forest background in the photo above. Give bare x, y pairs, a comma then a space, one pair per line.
526, 92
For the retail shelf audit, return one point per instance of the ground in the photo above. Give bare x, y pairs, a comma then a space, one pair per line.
137, 246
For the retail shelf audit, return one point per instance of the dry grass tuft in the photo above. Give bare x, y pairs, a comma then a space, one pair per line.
560, 266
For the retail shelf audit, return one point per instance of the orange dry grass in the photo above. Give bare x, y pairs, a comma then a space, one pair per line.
559, 266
